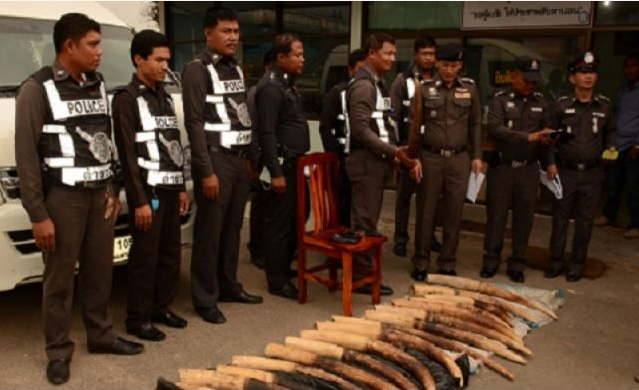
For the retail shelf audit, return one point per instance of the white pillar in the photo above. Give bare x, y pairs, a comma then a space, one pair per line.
357, 16
162, 16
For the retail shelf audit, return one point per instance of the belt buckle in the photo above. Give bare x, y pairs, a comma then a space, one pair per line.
446, 153
581, 167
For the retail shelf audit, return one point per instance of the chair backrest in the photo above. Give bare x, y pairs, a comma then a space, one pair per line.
320, 171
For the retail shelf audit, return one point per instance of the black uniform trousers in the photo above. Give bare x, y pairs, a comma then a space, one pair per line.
216, 236
367, 172
581, 191
154, 261
406, 187
445, 178
82, 236
256, 221
280, 211
508, 188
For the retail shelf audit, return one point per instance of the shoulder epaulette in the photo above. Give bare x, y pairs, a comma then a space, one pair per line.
539, 95
499, 93
43, 74
467, 80
604, 98
429, 81
561, 98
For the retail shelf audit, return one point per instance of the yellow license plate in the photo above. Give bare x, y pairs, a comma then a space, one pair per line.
121, 247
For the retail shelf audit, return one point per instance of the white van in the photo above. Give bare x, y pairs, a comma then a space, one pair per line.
26, 44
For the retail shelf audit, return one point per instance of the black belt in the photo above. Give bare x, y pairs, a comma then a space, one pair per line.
445, 152
243, 153
516, 163
579, 166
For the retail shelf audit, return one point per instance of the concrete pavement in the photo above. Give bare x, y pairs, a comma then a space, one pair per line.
594, 343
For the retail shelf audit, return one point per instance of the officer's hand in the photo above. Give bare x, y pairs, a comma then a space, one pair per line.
252, 172
552, 171
416, 173
476, 166
44, 234
542, 136
143, 217
401, 153
211, 187
278, 185
185, 202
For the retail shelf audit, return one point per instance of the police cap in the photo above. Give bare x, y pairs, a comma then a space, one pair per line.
584, 62
529, 67
450, 52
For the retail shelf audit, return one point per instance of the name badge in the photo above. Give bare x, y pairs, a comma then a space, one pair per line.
569, 111
510, 104
385, 104
536, 109
231, 86
462, 95
85, 107
599, 114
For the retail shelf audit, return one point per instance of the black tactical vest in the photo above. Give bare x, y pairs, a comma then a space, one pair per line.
227, 121
75, 145
381, 121
159, 151
341, 132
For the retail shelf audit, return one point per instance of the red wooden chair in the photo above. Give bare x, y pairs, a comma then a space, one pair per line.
323, 172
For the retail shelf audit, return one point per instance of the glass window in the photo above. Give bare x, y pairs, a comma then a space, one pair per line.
488, 61
316, 18
324, 66
323, 28
257, 30
403, 15
611, 48
404, 56
617, 13
28, 46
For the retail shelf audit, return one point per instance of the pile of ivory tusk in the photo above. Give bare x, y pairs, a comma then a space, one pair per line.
394, 346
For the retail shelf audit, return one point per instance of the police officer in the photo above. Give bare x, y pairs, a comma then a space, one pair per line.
588, 121
518, 120
402, 92
283, 136
373, 136
64, 157
332, 130
148, 141
258, 194
219, 128
451, 148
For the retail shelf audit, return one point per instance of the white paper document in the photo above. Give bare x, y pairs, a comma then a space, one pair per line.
553, 185
474, 185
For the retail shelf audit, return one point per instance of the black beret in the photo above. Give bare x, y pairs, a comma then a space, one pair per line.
530, 68
450, 52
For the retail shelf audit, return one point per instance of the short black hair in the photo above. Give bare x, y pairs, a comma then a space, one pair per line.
423, 42
376, 41
631, 56
72, 26
216, 14
268, 58
283, 44
145, 41
357, 55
